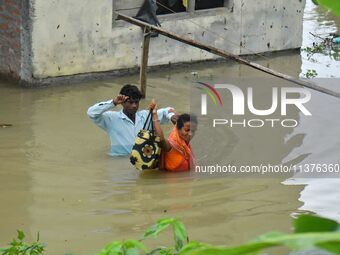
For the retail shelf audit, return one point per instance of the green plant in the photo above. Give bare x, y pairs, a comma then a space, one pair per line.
322, 48
317, 48
326, 46
132, 247
311, 73
310, 232
19, 247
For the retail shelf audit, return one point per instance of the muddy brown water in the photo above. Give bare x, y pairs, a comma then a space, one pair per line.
56, 178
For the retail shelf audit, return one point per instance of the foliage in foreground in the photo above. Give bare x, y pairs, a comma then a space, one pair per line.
19, 247
310, 232
333, 5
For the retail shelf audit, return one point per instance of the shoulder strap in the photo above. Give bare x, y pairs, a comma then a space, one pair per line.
148, 125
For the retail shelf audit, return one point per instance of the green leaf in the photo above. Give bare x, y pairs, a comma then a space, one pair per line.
240, 250
332, 246
21, 235
180, 234
192, 245
269, 235
167, 251
161, 225
180, 231
333, 5
131, 251
132, 244
113, 248
129, 247
160, 250
300, 241
311, 223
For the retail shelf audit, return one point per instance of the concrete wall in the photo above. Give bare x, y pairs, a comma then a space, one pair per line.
271, 25
77, 37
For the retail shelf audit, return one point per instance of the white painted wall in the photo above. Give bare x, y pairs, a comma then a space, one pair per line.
72, 37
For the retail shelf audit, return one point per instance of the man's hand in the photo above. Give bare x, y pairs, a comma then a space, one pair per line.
174, 118
120, 99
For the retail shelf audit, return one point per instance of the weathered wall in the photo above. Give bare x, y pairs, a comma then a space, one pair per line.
10, 37
77, 37
83, 40
271, 25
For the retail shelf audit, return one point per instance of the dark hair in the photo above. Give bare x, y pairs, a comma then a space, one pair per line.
185, 118
131, 91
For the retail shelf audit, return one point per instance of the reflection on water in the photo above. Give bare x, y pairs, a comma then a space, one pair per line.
320, 145
321, 133
56, 178
321, 23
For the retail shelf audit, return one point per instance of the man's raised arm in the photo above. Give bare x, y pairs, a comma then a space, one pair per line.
97, 111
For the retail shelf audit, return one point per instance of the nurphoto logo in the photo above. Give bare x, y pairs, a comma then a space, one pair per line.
282, 98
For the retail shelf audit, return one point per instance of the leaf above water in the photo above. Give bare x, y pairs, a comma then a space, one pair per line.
311, 223
333, 5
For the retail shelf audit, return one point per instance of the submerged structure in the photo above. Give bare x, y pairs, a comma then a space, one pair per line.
46, 41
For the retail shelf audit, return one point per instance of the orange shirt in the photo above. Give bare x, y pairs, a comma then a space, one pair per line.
180, 157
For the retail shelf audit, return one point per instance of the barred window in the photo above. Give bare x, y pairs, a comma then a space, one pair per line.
131, 7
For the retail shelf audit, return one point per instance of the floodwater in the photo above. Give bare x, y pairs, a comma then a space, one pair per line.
56, 178
321, 136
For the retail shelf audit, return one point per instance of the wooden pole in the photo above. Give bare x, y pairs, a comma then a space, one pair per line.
222, 53
191, 7
144, 61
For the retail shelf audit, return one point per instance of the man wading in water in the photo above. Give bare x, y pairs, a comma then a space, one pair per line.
123, 126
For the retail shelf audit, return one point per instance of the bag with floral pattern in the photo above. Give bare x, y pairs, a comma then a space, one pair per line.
146, 152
